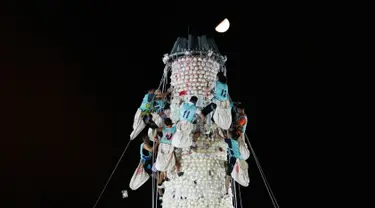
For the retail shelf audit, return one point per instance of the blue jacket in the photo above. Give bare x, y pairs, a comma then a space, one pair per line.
233, 148
187, 112
167, 135
160, 104
145, 157
221, 91
147, 105
244, 127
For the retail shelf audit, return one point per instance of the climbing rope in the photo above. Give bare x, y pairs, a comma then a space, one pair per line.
152, 178
161, 81
239, 191
157, 195
123, 153
234, 193
165, 79
162, 85
154, 199
268, 187
155, 191
273, 198
118, 162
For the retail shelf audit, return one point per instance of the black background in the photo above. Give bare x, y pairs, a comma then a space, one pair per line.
74, 72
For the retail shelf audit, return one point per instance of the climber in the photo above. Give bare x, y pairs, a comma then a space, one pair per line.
241, 122
160, 100
189, 110
186, 124
147, 103
233, 155
146, 153
162, 106
147, 107
168, 130
221, 88
143, 118
220, 94
166, 113
233, 110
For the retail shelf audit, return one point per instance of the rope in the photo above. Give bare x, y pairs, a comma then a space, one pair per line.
165, 79
156, 198
161, 85
118, 162
152, 179
235, 193
239, 190
161, 81
268, 187
123, 153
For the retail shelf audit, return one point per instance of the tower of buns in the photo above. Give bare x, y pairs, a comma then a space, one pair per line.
193, 65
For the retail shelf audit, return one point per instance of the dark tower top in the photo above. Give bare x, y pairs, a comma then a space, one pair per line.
195, 45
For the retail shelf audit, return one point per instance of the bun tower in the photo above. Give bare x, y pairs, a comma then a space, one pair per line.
194, 64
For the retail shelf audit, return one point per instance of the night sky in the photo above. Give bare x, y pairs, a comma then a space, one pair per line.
73, 74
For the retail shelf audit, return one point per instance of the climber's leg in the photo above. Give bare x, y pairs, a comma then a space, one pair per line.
147, 118
178, 164
208, 109
227, 182
147, 165
160, 180
231, 163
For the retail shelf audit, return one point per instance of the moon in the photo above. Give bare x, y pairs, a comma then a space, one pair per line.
223, 26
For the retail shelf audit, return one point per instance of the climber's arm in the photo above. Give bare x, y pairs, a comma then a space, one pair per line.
147, 147
241, 123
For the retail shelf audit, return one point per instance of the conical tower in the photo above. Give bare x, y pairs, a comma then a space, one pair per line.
194, 63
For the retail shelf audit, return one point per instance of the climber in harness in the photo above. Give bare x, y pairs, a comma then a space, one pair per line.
233, 106
166, 112
161, 104
233, 155
168, 130
189, 111
147, 107
186, 125
221, 88
160, 100
220, 94
146, 152
147, 102
241, 122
